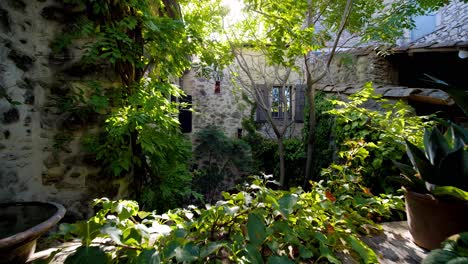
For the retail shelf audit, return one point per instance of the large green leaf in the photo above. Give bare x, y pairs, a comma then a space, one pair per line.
280, 260
148, 256
453, 167
169, 249
365, 252
406, 170
305, 253
450, 191
286, 203
87, 255
420, 162
210, 248
188, 253
114, 233
460, 132
439, 256
253, 254
256, 229
435, 145
458, 260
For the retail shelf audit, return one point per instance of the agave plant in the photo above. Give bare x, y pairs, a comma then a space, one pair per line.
454, 250
441, 168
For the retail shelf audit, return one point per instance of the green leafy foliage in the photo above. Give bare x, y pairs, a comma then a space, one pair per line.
442, 164
255, 225
381, 132
87, 255
454, 250
265, 157
148, 43
218, 159
324, 133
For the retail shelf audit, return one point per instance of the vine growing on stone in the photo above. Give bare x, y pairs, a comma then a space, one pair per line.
148, 45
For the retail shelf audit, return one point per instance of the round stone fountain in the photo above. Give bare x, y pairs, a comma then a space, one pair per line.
21, 224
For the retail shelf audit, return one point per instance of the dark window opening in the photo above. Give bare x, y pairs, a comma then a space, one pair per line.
279, 105
185, 113
446, 66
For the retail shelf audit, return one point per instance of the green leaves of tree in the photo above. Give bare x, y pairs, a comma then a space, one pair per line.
256, 229
87, 255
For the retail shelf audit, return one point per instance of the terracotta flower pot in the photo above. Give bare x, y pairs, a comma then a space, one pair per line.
432, 220
20, 226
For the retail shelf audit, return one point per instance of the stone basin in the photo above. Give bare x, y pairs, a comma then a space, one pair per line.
21, 224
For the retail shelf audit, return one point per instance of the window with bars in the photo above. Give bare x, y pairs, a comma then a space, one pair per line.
293, 105
281, 106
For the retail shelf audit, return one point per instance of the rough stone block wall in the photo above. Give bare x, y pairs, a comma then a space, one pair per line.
225, 109
41, 155
453, 26
354, 68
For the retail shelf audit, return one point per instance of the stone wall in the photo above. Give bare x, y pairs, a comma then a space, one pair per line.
41, 155
451, 25
359, 67
225, 109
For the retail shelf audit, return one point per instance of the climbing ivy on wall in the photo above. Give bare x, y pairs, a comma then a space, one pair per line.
324, 132
148, 44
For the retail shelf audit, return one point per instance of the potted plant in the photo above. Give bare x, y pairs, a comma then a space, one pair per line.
436, 186
454, 250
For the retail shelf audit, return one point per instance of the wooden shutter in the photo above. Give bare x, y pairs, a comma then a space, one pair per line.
261, 115
185, 115
299, 103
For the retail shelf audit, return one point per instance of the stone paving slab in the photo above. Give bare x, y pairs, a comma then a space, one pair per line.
394, 245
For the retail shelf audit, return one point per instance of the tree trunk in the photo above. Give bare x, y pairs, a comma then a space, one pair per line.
281, 158
310, 92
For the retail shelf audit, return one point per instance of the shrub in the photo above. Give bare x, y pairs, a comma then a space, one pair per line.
220, 162
256, 225
324, 131
381, 133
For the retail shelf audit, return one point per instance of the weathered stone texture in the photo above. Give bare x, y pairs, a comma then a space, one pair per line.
225, 109
32, 77
359, 69
453, 26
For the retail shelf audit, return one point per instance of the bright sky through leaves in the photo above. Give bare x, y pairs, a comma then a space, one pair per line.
235, 13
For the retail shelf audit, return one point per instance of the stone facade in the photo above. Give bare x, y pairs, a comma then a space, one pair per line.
227, 108
363, 64
224, 109
360, 67
451, 25
41, 155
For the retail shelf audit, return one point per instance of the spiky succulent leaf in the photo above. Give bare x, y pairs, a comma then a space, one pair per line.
406, 170
420, 162
452, 170
450, 191
436, 146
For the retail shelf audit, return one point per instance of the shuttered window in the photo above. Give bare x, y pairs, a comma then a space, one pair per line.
273, 100
299, 101
278, 107
261, 115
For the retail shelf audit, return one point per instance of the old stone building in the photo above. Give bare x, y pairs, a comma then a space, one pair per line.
41, 155
436, 47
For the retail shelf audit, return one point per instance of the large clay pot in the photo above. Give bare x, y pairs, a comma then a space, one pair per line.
432, 220
21, 224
